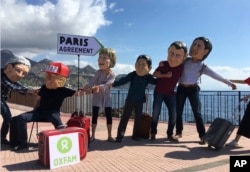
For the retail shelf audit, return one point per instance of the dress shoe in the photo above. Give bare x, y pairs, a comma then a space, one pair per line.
20, 147
202, 141
152, 137
136, 138
118, 140
177, 136
172, 139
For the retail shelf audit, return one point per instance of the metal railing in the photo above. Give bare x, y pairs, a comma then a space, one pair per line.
223, 104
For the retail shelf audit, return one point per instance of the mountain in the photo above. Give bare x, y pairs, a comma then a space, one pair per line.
36, 78
7, 54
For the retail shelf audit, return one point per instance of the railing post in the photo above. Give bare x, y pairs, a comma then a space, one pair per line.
239, 107
118, 102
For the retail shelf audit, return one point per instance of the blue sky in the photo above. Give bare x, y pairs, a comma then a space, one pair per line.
131, 28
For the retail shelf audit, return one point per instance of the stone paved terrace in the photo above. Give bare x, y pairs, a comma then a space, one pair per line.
144, 155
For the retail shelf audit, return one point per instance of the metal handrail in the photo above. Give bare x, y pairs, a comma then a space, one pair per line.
223, 104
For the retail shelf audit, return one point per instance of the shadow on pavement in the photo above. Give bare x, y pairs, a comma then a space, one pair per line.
198, 152
25, 166
104, 145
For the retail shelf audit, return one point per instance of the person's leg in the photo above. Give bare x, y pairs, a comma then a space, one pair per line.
196, 108
124, 120
235, 141
6, 114
157, 103
55, 119
180, 102
22, 121
170, 102
108, 114
243, 129
237, 138
95, 110
137, 120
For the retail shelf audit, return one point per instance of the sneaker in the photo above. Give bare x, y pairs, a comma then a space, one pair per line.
4, 141
172, 139
233, 143
136, 138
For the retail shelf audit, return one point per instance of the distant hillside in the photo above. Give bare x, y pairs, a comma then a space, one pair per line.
36, 78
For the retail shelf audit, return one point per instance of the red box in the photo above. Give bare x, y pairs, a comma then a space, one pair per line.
43, 142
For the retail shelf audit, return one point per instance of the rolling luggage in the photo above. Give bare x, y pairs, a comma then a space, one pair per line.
218, 133
144, 130
78, 119
13, 135
145, 126
44, 138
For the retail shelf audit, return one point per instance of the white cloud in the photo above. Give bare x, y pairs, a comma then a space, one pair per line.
112, 5
208, 83
123, 68
115, 10
118, 10
31, 30
35, 27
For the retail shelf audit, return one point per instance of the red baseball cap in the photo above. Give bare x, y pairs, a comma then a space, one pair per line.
57, 68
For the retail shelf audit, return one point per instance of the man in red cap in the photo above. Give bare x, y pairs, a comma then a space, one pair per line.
48, 102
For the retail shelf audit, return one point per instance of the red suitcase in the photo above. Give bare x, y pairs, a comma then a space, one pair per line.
43, 142
77, 119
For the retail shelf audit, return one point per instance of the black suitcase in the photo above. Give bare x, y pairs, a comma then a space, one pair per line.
13, 132
218, 133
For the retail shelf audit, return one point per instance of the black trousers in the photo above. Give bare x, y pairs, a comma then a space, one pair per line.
128, 108
244, 128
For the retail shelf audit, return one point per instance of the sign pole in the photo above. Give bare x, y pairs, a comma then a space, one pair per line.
77, 45
78, 86
78, 72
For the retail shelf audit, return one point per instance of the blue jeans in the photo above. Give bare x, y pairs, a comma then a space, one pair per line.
192, 93
170, 102
36, 116
5, 112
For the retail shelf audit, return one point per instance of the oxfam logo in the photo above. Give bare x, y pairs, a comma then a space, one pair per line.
64, 144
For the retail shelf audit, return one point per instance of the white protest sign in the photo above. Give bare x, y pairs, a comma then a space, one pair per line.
63, 150
77, 45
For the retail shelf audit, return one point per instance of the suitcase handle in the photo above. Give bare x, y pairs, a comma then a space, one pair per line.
77, 113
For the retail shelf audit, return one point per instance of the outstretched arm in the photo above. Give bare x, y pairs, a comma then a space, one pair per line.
208, 71
238, 81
